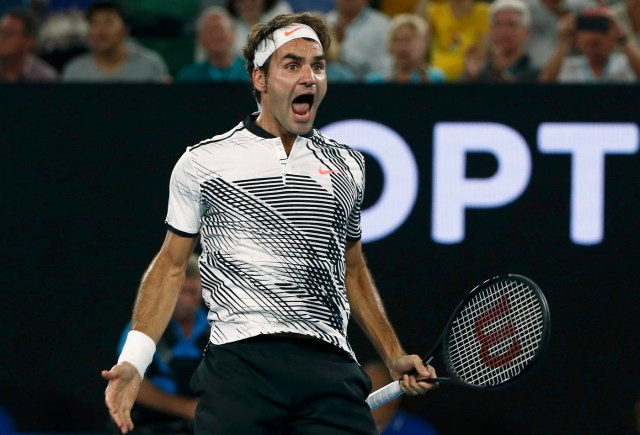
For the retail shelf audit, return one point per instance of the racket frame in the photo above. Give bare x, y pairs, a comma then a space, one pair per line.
443, 343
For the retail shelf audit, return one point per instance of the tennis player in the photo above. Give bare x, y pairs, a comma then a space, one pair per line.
276, 206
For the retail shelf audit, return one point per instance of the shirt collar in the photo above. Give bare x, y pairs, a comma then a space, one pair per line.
251, 125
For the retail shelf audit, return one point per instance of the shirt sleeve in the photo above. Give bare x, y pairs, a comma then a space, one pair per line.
184, 210
354, 230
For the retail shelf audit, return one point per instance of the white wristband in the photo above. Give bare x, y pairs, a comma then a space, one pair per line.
138, 351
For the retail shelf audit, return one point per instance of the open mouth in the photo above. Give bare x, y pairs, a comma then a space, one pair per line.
302, 104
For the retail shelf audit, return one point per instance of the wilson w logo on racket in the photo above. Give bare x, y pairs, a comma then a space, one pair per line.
494, 336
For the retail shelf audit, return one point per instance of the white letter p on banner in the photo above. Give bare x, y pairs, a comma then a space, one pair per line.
453, 193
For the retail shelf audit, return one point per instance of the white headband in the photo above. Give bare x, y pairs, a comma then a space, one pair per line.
281, 36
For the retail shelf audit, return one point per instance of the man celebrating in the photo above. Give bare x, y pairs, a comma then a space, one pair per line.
277, 207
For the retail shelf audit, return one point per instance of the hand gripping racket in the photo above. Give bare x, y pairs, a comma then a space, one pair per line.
494, 336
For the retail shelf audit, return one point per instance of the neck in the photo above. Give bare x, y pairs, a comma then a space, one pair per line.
597, 65
288, 139
111, 57
272, 126
505, 58
12, 66
403, 73
186, 325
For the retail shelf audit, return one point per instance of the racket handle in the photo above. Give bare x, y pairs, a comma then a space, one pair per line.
384, 395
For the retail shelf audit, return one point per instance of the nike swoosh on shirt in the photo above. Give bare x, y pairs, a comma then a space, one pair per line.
326, 171
288, 33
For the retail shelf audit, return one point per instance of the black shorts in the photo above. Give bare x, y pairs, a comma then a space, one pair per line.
281, 385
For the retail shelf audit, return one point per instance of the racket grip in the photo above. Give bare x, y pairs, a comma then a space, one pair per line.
384, 395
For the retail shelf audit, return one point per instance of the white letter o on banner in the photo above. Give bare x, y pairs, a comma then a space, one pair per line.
399, 168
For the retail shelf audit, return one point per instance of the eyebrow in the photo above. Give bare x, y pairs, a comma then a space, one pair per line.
301, 58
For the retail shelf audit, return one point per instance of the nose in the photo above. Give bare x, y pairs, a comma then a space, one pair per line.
307, 77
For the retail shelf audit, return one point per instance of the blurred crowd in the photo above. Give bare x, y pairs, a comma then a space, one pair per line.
374, 41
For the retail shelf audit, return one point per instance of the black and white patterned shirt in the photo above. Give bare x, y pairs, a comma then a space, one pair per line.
273, 230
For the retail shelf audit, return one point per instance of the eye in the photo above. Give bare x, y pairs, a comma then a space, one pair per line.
291, 66
319, 67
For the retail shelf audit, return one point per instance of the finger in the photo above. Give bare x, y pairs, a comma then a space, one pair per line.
122, 419
419, 366
420, 384
115, 372
409, 386
115, 415
432, 371
127, 419
107, 374
405, 387
413, 385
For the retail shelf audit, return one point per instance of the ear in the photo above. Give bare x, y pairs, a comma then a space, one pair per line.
259, 79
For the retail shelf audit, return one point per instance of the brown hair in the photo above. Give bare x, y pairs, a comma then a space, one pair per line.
265, 30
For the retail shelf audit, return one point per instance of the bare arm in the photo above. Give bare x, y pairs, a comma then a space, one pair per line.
368, 311
551, 70
367, 307
160, 286
156, 300
157, 399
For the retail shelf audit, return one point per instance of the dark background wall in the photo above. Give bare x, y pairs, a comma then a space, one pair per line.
85, 174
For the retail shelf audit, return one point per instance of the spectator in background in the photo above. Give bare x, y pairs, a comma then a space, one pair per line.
456, 26
111, 56
627, 15
18, 36
389, 418
165, 403
217, 37
407, 42
543, 35
506, 60
596, 36
361, 32
250, 12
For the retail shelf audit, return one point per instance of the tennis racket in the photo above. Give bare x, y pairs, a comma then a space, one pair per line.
493, 338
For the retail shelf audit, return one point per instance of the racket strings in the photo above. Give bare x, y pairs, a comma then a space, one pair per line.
497, 333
